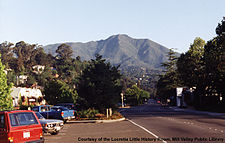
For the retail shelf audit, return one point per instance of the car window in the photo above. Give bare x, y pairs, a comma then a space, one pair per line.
35, 109
20, 119
2, 121
39, 115
56, 109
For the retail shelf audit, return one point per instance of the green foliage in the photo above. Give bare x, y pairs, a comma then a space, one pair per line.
89, 113
214, 58
136, 96
5, 97
7, 53
99, 84
169, 80
57, 91
190, 65
64, 52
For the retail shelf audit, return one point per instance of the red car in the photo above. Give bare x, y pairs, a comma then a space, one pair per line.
20, 126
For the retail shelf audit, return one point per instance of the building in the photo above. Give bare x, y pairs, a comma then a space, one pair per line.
26, 96
38, 69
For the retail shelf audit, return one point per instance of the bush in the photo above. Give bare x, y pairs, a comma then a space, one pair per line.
89, 113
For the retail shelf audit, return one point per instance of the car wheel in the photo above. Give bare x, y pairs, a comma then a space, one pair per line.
54, 133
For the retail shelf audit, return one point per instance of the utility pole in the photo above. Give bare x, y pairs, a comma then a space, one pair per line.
122, 100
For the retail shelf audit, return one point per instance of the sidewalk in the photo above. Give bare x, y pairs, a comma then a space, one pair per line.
222, 115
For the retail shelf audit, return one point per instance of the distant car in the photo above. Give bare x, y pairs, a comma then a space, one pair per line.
20, 126
51, 126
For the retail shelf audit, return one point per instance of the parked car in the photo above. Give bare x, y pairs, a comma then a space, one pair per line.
20, 126
51, 126
55, 112
70, 106
43, 109
65, 113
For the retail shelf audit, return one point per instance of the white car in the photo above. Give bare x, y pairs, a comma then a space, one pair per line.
51, 126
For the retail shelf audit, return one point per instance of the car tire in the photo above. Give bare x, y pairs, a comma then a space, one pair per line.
54, 133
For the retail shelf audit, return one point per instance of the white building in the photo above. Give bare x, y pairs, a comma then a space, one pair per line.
38, 69
27, 96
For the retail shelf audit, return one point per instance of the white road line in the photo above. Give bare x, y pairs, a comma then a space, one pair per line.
145, 129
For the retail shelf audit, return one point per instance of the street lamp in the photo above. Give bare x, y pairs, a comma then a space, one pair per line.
122, 99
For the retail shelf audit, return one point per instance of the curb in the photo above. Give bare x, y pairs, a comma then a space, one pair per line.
98, 121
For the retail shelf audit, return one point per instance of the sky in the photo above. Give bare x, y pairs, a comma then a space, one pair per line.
171, 23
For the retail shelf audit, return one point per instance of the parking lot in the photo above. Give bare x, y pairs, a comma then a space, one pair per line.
98, 132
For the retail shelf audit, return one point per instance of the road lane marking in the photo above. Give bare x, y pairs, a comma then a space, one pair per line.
145, 130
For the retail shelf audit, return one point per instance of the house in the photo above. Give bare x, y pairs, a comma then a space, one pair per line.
38, 69
26, 96
22, 79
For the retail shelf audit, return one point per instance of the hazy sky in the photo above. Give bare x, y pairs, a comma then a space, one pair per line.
171, 23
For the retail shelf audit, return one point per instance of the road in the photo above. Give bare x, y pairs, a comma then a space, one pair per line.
177, 125
117, 132
144, 124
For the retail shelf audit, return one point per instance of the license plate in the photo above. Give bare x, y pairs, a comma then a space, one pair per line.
57, 128
26, 134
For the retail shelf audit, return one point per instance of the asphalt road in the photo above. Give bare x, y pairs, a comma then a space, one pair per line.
177, 125
117, 132
145, 124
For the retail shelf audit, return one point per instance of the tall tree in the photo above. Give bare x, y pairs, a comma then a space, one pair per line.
64, 52
190, 64
5, 90
7, 53
24, 53
100, 84
169, 80
214, 59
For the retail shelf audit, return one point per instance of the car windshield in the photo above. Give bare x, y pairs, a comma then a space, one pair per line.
23, 118
39, 115
61, 108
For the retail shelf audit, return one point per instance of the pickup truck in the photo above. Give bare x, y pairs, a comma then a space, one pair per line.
20, 126
55, 112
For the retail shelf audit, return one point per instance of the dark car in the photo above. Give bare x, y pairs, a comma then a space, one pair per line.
51, 126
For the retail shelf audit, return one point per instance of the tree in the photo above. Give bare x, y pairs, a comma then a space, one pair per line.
169, 80
5, 90
57, 91
214, 58
24, 53
99, 84
7, 53
136, 96
190, 64
64, 52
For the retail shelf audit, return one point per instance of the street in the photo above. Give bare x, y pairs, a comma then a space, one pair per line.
147, 123
117, 132
177, 124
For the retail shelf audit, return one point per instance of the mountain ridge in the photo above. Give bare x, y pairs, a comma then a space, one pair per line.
120, 50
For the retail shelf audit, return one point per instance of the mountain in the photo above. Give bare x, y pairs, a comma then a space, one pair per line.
119, 49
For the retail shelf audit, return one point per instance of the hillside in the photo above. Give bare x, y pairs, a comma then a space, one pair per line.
119, 49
